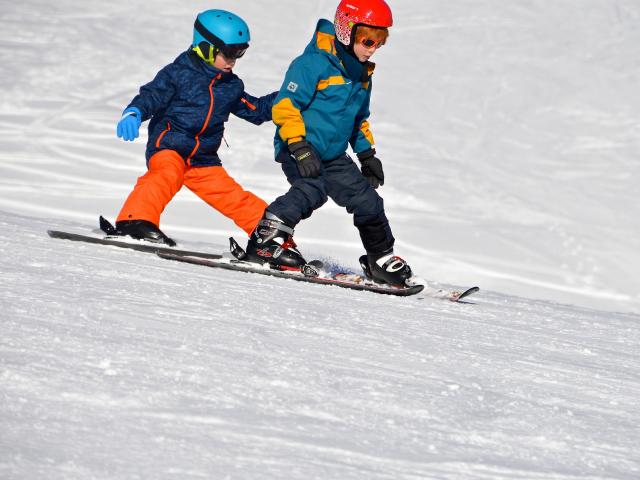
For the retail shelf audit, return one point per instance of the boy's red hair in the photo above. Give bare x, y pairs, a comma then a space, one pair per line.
376, 34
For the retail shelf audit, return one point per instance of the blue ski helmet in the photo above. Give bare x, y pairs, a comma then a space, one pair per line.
217, 31
220, 28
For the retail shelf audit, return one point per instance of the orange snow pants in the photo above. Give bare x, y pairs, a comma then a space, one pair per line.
166, 175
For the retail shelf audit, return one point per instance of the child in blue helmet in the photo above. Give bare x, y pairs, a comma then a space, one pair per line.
321, 109
187, 104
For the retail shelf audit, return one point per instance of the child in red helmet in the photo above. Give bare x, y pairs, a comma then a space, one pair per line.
188, 103
321, 109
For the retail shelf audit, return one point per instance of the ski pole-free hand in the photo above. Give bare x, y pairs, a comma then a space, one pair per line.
308, 161
129, 124
371, 167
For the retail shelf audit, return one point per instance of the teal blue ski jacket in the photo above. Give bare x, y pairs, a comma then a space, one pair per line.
325, 98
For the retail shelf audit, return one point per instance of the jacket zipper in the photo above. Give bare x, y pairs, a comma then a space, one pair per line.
164, 132
248, 103
206, 120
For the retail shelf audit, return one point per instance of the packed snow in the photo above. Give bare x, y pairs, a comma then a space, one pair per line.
509, 133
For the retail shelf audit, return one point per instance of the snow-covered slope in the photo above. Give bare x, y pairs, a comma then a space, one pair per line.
509, 133
118, 364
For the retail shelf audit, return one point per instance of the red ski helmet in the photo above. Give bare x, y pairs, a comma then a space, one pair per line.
350, 13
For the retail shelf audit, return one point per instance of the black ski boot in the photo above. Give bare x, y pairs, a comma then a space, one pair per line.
272, 242
142, 230
386, 268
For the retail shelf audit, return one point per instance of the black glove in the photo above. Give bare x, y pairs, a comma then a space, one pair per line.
371, 167
308, 161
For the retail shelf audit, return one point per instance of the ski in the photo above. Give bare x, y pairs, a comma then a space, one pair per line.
138, 245
309, 273
313, 272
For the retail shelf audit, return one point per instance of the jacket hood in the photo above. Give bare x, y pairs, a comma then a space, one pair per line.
324, 41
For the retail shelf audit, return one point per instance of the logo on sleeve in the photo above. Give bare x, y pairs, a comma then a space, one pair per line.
292, 87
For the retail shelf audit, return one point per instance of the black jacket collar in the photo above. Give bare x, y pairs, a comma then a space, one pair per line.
357, 71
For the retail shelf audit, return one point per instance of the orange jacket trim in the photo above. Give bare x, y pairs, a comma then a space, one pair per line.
364, 128
325, 41
335, 80
164, 132
206, 120
248, 104
289, 119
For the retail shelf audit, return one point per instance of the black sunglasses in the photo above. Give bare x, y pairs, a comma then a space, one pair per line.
233, 52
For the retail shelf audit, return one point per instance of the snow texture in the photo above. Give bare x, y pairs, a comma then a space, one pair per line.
509, 133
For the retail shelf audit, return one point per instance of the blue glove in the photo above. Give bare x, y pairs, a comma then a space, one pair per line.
129, 124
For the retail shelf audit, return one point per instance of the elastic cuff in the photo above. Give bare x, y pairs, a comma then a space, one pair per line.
294, 140
366, 154
132, 111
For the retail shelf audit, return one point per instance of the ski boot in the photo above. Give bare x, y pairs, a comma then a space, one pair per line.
142, 230
272, 242
386, 268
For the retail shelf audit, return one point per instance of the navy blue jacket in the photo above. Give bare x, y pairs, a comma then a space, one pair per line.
188, 102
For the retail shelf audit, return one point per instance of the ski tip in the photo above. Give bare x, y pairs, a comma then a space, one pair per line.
466, 293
